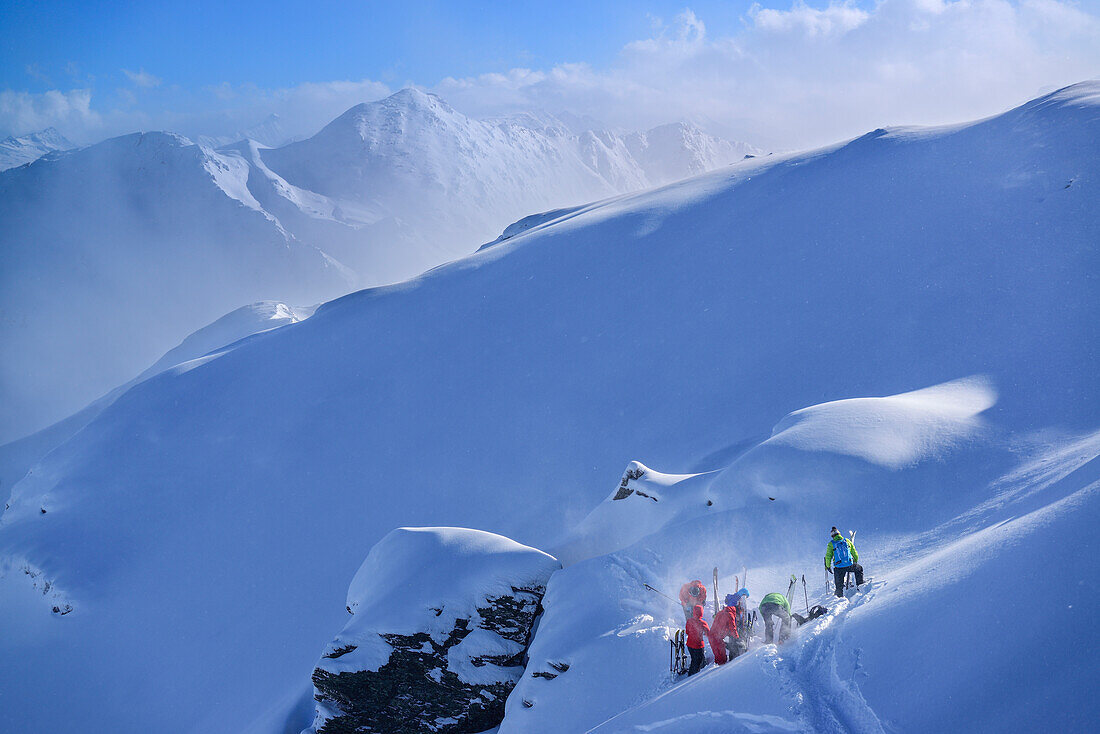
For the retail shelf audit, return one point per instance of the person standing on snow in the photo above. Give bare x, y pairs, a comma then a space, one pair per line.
841, 554
697, 631
742, 604
692, 593
776, 605
724, 637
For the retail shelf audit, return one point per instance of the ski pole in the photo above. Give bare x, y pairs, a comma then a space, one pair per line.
790, 586
657, 591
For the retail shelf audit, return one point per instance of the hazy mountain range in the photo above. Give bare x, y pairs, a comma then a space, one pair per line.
118, 250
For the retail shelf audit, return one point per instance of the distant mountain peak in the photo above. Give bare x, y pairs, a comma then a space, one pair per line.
412, 95
407, 98
15, 151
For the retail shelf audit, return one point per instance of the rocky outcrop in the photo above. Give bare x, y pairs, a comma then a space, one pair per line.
441, 622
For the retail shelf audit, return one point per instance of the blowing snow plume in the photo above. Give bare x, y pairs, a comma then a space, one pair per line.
150, 236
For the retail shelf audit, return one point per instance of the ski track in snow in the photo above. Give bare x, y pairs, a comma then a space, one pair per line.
830, 702
809, 671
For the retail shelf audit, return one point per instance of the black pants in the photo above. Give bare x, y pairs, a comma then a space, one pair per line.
698, 660
840, 574
768, 611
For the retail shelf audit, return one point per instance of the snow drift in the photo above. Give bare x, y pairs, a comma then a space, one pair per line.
507, 391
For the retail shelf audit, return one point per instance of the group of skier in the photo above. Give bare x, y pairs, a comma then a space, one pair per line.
730, 627
724, 632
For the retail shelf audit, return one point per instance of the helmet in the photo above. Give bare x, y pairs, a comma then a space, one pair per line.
731, 599
743, 592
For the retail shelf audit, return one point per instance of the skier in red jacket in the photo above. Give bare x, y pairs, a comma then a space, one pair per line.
692, 593
697, 631
724, 637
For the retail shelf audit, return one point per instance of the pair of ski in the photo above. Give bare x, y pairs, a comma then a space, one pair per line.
805, 591
739, 582
678, 662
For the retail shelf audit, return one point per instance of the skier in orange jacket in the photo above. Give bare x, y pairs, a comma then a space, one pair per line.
725, 640
692, 593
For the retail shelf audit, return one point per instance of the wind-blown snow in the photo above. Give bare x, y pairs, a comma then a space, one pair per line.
892, 431
222, 508
118, 250
17, 457
270, 133
150, 236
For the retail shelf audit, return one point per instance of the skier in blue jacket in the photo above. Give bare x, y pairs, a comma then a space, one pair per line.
841, 554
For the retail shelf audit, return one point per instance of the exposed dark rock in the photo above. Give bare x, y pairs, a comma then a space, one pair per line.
341, 651
441, 654
624, 489
416, 691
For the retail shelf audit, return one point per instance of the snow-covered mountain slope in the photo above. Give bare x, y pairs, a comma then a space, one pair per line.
938, 625
224, 505
413, 168
17, 457
15, 151
270, 133
152, 236
114, 251
676, 151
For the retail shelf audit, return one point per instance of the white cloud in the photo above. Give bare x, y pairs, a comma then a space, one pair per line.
834, 19
142, 78
225, 109
23, 112
795, 75
218, 110
804, 75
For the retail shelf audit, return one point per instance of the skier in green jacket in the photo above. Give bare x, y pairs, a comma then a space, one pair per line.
776, 605
841, 554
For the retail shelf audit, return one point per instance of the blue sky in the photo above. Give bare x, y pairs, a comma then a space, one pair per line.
286, 43
780, 73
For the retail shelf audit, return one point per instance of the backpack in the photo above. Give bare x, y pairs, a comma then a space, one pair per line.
842, 556
813, 613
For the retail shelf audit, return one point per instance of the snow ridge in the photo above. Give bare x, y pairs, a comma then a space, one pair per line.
17, 151
152, 223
